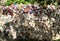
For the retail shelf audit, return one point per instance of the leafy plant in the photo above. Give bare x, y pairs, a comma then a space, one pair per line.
42, 2
9, 2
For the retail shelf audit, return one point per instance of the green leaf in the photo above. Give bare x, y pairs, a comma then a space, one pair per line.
56, 3
9, 2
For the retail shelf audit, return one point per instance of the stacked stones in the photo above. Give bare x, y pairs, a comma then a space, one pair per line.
31, 21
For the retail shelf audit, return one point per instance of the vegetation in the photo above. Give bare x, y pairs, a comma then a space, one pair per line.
42, 2
19, 1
